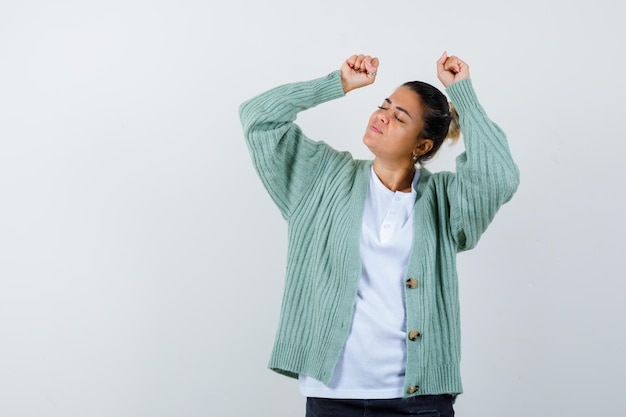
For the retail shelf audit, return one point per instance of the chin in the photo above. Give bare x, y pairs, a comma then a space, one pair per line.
368, 140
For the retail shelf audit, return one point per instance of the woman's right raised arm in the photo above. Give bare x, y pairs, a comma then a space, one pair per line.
282, 155
284, 158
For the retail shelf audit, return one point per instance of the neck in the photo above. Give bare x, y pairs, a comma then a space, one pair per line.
396, 178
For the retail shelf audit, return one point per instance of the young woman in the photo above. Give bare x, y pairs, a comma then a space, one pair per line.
370, 314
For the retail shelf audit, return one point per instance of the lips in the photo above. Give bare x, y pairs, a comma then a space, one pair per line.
375, 129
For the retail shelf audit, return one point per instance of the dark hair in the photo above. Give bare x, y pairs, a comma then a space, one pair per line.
441, 120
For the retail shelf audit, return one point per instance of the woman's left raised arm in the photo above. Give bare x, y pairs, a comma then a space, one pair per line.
486, 175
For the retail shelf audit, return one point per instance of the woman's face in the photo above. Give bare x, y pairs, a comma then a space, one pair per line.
393, 129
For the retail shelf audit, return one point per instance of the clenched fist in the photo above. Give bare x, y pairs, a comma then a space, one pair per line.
451, 69
358, 71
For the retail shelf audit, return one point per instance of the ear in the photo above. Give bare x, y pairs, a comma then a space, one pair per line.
423, 147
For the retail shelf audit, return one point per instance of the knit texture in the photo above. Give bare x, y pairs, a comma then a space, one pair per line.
321, 194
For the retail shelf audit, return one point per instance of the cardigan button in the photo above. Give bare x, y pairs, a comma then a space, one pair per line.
413, 389
414, 335
411, 283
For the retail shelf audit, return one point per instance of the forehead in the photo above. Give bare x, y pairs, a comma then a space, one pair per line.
407, 99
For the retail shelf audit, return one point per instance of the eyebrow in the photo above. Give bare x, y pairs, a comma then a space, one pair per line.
399, 108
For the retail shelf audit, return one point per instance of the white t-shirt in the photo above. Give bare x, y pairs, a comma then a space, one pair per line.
373, 360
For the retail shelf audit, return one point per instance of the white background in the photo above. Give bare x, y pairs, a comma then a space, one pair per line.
141, 261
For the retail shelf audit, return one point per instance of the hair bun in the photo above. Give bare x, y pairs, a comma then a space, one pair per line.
454, 131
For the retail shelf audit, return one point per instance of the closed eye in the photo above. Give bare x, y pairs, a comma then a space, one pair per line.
395, 115
398, 108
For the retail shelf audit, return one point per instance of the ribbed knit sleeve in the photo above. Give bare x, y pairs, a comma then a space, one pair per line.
486, 176
283, 156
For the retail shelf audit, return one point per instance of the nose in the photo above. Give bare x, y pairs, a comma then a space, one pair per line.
383, 117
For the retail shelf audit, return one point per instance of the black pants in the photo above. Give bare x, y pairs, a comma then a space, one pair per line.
422, 405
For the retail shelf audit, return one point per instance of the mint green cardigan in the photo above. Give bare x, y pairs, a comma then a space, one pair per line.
321, 193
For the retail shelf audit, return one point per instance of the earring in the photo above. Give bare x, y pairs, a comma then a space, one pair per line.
414, 157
